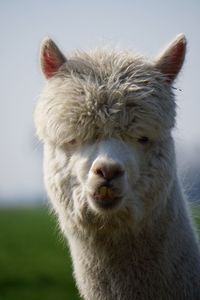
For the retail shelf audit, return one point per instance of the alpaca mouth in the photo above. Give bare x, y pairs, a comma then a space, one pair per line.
105, 197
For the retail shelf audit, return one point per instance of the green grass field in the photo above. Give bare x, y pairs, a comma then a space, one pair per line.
34, 260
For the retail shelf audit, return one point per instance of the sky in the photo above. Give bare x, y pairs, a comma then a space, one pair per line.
141, 26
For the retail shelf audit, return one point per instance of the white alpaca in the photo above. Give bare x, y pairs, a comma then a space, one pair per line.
105, 119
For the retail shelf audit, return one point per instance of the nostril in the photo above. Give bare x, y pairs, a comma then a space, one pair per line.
99, 172
108, 172
118, 173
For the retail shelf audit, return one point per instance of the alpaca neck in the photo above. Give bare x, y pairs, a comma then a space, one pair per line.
138, 267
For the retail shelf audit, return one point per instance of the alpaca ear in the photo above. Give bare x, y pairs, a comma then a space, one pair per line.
171, 60
51, 58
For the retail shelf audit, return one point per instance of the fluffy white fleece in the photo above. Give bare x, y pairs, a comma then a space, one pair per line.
105, 118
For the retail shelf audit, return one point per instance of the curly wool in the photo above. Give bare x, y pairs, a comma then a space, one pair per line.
105, 119
110, 91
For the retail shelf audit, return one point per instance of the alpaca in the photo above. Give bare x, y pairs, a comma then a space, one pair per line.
105, 118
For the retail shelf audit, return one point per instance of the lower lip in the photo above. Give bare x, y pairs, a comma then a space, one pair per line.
106, 203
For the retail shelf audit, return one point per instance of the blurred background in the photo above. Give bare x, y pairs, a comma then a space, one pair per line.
34, 260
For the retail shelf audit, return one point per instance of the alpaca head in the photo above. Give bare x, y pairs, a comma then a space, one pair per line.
105, 118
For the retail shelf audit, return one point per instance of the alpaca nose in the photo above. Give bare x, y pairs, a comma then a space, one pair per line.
108, 170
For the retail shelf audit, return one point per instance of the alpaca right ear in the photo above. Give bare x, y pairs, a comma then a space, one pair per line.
51, 58
171, 60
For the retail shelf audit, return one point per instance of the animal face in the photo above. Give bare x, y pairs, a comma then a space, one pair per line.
106, 119
110, 176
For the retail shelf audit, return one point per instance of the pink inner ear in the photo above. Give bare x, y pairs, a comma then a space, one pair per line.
178, 55
172, 59
175, 61
51, 63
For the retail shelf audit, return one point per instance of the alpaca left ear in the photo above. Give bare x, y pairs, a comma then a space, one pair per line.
51, 58
171, 60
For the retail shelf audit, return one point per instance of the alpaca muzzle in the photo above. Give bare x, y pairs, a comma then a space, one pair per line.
105, 197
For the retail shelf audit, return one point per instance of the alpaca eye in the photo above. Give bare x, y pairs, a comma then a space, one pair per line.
143, 140
72, 142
